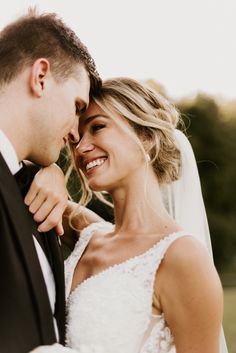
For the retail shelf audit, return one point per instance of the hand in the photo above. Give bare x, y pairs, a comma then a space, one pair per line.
47, 198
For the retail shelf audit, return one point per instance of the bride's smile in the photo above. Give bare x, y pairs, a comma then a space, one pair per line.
108, 153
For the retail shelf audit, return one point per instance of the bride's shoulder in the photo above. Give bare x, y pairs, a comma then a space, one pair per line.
186, 249
86, 234
186, 258
95, 227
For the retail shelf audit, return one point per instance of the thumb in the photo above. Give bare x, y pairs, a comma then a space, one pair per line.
59, 229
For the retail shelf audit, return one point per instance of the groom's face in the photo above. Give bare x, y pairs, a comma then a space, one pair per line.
58, 118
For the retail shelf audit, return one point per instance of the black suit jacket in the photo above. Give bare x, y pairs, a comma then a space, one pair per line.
25, 314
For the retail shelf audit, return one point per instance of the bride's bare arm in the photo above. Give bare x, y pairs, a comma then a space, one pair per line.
48, 201
81, 218
190, 295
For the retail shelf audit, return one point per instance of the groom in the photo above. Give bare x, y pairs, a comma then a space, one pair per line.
46, 75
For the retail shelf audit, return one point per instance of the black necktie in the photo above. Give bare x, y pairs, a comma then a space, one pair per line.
24, 178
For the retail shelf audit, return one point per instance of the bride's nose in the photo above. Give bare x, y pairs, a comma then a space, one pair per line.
85, 145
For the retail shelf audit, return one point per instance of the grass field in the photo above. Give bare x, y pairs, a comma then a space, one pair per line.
230, 318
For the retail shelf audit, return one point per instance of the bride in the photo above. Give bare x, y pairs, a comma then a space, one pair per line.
144, 284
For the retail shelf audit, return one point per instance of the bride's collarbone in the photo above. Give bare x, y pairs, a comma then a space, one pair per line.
103, 252
101, 249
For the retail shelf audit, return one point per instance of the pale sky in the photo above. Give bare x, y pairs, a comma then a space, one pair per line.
188, 46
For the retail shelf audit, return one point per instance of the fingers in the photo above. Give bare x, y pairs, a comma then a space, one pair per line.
59, 229
40, 205
47, 208
44, 202
47, 198
53, 220
32, 193
43, 205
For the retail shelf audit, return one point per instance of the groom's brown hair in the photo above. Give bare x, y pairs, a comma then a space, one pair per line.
36, 36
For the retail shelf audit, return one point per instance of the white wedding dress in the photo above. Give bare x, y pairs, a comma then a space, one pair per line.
111, 312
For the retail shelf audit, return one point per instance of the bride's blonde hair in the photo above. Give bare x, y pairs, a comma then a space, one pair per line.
153, 119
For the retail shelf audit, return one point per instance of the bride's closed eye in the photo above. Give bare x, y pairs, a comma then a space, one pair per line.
97, 127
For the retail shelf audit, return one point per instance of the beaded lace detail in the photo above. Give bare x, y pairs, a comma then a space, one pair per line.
111, 312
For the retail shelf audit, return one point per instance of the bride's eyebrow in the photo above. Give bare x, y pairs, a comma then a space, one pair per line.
85, 121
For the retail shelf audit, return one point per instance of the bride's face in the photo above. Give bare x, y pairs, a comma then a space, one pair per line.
107, 154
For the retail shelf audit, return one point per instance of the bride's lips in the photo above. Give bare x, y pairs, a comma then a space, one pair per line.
92, 164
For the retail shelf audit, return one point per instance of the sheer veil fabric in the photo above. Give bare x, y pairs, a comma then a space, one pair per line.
184, 201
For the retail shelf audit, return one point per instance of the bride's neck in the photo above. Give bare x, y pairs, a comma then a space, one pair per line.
138, 206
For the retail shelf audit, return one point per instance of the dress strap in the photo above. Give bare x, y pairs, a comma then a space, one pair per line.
148, 265
163, 245
84, 238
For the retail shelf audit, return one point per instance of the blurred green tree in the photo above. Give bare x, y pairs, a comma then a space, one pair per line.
214, 142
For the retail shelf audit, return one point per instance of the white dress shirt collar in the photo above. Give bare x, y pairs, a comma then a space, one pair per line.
9, 154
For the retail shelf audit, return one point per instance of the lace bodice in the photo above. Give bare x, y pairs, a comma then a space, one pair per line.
111, 312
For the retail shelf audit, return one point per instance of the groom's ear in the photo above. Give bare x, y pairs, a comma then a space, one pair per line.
39, 73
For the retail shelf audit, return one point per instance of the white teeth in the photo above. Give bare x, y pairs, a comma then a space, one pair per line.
94, 163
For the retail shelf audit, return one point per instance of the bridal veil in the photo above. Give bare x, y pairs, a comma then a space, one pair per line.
184, 201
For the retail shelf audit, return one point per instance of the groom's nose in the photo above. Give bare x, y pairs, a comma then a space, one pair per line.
73, 135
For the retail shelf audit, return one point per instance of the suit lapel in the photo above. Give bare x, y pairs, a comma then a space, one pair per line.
22, 228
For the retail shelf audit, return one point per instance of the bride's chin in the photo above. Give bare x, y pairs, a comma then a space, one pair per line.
97, 188
99, 185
